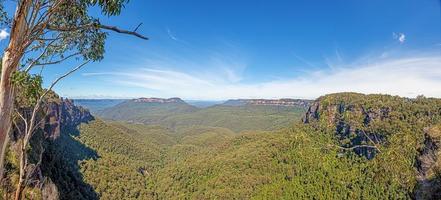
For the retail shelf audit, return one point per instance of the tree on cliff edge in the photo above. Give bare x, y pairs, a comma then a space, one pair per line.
46, 32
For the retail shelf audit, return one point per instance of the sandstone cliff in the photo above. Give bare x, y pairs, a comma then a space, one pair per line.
269, 102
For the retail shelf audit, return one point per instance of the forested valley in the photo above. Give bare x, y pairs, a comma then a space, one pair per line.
340, 146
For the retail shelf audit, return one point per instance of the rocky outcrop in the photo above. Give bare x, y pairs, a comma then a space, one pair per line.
56, 116
385, 123
62, 114
312, 113
429, 165
332, 112
350, 120
49, 190
158, 100
269, 102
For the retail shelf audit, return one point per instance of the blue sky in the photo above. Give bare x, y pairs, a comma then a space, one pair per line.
266, 49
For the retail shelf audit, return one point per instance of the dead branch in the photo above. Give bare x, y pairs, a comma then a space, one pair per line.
374, 143
40, 100
134, 30
357, 146
100, 26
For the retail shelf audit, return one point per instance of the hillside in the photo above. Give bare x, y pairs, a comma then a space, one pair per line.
146, 110
128, 156
347, 146
328, 157
363, 146
269, 102
238, 118
177, 115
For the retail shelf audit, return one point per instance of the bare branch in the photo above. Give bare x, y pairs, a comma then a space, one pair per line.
31, 132
357, 146
64, 76
24, 120
40, 159
134, 30
40, 100
100, 26
116, 29
17, 127
375, 144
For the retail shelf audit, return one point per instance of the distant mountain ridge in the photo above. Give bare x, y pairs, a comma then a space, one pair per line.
100, 104
269, 102
158, 100
175, 113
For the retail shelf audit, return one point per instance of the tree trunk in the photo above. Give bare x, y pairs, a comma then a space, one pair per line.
21, 182
19, 191
10, 61
6, 106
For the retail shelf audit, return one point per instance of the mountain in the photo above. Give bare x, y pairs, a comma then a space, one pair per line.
175, 113
203, 104
146, 110
269, 102
159, 100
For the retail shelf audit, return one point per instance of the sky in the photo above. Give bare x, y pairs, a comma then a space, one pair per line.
217, 50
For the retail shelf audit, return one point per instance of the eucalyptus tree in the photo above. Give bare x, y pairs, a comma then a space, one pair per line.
48, 32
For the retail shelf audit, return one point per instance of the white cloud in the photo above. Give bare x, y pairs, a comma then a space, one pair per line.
3, 34
400, 37
404, 76
304, 60
173, 37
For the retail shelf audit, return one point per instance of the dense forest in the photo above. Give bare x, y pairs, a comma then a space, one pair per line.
346, 146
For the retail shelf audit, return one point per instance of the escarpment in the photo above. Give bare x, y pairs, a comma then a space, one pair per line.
369, 125
63, 114
57, 119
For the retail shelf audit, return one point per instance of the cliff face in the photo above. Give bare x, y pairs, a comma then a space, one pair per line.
352, 121
48, 142
383, 125
331, 108
62, 114
61, 120
158, 100
369, 120
269, 102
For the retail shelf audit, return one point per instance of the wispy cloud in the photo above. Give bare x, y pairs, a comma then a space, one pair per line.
404, 76
400, 37
3, 34
304, 61
173, 36
170, 34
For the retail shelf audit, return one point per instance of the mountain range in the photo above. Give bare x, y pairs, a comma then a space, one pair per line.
175, 113
340, 146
